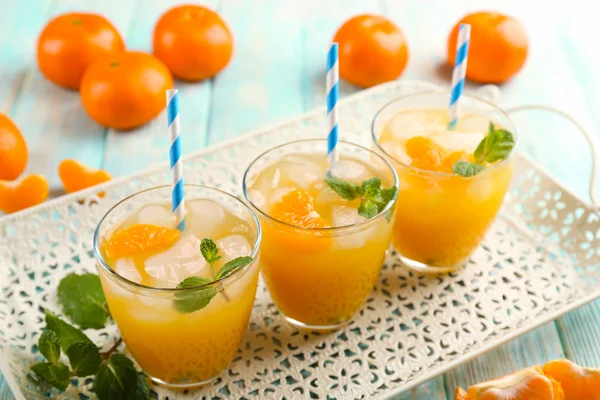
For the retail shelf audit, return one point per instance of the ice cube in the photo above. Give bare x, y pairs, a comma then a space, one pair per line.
156, 215
180, 261
473, 123
278, 194
301, 170
257, 198
459, 141
329, 196
127, 269
233, 246
351, 170
408, 124
344, 216
396, 150
204, 218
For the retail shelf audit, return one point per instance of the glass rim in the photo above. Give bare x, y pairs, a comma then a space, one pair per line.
438, 173
219, 282
333, 228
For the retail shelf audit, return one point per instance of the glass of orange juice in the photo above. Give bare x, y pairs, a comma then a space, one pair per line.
322, 252
452, 180
181, 300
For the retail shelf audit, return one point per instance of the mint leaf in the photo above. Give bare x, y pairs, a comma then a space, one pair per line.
497, 145
370, 188
115, 378
467, 169
209, 251
140, 391
346, 190
83, 300
368, 209
194, 300
49, 345
85, 358
68, 334
57, 375
388, 194
232, 265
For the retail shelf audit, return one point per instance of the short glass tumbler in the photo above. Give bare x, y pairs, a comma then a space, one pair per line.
319, 278
442, 217
175, 349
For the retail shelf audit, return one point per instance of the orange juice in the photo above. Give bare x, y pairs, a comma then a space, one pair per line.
320, 258
442, 216
142, 261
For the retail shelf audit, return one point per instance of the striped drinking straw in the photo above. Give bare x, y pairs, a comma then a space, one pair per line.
460, 69
175, 158
333, 77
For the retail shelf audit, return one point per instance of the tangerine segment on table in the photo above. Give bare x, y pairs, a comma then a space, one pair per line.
139, 238
527, 384
28, 192
498, 46
13, 150
76, 176
70, 42
577, 382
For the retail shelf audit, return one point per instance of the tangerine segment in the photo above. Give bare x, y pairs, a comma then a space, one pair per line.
527, 384
577, 382
296, 208
460, 394
429, 156
30, 191
139, 238
76, 176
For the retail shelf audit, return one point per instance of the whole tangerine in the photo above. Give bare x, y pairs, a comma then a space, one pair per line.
70, 42
193, 41
498, 46
372, 50
13, 150
125, 90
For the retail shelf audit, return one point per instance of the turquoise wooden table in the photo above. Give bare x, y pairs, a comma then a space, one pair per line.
278, 71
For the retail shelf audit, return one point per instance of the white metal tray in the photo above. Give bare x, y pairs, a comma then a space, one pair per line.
539, 261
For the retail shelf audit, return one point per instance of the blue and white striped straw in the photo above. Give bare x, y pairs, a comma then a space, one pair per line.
460, 70
175, 158
333, 77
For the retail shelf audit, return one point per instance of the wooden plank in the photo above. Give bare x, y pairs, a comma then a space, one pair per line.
128, 152
52, 119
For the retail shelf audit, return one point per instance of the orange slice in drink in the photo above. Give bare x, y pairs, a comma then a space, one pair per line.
577, 382
430, 156
139, 238
297, 208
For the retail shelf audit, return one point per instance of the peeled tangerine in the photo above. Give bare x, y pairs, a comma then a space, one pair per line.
27, 192
557, 380
76, 176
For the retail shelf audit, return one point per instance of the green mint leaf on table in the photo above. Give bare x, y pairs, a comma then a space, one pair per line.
497, 145
49, 345
67, 333
233, 265
115, 379
373, 198
194, 300
83, 300
346, 190
57, 375
85, 358
467, 169
140, 391
368, 209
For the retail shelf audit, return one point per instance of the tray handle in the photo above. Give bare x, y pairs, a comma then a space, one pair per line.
588, 137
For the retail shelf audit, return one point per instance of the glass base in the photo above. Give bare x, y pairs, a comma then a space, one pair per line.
183, 385
428, 269
315, 328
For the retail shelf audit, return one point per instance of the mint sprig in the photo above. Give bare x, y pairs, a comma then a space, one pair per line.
495, 146
373, 198
49, 346
83, 300
198, 299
